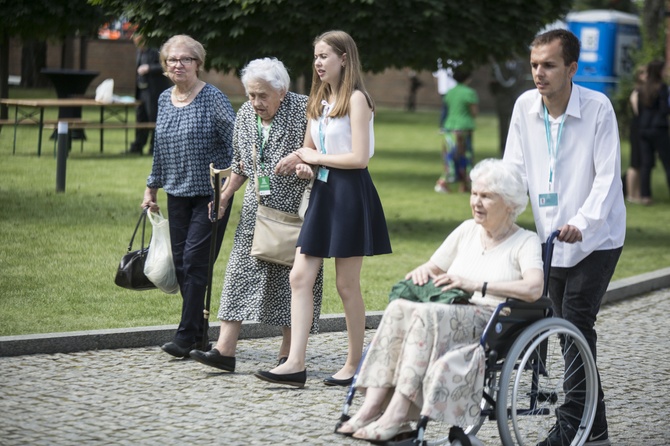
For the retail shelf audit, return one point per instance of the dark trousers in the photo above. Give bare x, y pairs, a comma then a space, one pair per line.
652, 142
577, 293
190, 236
145, 112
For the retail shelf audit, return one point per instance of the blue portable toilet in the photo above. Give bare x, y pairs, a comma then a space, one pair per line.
608, 39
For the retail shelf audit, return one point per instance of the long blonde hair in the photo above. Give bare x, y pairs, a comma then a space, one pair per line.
351, 79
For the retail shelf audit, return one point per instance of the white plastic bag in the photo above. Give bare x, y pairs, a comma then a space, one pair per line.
159, 267
105, 92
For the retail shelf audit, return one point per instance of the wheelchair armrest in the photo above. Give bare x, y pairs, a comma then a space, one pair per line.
542, 303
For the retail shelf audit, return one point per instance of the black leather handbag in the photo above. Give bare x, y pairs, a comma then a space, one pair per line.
130, 273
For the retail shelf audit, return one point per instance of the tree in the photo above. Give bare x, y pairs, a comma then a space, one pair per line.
390, 33
617, 5
39, 20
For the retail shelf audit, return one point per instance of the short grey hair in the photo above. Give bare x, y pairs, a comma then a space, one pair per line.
501, 178
195, 48
268, 69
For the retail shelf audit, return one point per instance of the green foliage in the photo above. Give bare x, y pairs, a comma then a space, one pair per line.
389, 33
45, 19
618, 5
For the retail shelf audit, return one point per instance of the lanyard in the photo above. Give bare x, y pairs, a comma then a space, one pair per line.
553, 150
264, 138
323, 121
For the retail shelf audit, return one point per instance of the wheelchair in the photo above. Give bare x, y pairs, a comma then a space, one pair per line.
534, 362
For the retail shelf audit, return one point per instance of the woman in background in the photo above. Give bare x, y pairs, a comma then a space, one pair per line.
654, 137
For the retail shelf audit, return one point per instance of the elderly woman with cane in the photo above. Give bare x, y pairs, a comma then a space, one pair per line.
270, 126
194, 129
425, 357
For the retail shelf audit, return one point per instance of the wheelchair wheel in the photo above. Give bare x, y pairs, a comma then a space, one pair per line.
549, 363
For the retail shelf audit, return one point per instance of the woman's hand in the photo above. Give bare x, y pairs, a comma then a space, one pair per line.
286, 166
304, 171
423, 273
309, 156
450, 281
149, 200
223, 204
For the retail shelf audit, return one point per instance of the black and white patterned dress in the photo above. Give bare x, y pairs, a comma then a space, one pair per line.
253, 289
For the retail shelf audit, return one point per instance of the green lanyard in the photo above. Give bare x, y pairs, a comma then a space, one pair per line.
264, 139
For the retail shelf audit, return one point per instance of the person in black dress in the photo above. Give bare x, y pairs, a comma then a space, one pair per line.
345, 219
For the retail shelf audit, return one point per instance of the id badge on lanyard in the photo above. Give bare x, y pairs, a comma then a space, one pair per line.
322, 173
263, 180
550, 199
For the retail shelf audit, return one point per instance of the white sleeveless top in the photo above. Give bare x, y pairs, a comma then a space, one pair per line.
336, 132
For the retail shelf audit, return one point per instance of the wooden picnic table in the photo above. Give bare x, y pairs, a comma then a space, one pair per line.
112, 115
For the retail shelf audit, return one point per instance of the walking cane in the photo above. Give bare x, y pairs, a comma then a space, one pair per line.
216, 176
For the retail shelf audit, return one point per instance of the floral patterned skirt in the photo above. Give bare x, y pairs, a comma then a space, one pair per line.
430, 353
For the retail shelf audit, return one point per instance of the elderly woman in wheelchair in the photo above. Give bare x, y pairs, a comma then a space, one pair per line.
425, 358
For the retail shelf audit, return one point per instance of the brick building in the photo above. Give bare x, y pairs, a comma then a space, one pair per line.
116, 59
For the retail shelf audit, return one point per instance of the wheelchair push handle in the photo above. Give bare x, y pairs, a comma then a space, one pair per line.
548, 253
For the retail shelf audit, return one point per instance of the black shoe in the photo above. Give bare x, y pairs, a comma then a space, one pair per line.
213, 358
180, 349
338, 382
282, 360
601, 439
290, 379
561, 434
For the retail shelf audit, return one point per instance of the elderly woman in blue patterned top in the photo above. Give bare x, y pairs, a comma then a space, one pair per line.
194, 128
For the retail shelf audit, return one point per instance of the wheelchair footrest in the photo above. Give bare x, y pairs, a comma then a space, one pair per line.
543, 411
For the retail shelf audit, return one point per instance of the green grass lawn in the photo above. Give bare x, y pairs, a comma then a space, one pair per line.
59, 251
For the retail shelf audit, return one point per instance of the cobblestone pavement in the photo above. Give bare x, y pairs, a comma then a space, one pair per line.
141, 397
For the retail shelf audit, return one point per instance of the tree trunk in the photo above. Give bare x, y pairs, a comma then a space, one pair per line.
652, 18
33, 59
67, 53
4, 72
506, 85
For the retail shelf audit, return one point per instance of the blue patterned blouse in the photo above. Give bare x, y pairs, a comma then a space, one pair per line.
188, 139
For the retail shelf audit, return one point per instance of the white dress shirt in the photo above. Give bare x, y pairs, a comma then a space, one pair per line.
587, 172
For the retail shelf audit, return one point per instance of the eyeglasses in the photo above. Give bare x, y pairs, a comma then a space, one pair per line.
185, 61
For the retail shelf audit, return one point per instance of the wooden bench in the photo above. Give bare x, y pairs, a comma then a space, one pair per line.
112, 116
90, 125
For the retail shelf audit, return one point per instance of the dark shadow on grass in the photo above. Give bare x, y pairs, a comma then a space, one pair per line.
403, 176
646, 237
409, 155
72, 208
434, 230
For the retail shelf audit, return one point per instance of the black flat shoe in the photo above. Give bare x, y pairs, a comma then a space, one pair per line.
181, 350
338, 382
282, 360
290, 379
213, 358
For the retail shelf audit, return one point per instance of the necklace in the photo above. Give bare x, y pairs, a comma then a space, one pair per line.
182, 98
495, 240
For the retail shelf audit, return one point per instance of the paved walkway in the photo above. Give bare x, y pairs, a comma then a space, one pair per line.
139, 396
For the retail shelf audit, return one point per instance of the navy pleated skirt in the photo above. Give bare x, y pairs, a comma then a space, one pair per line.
345, 217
